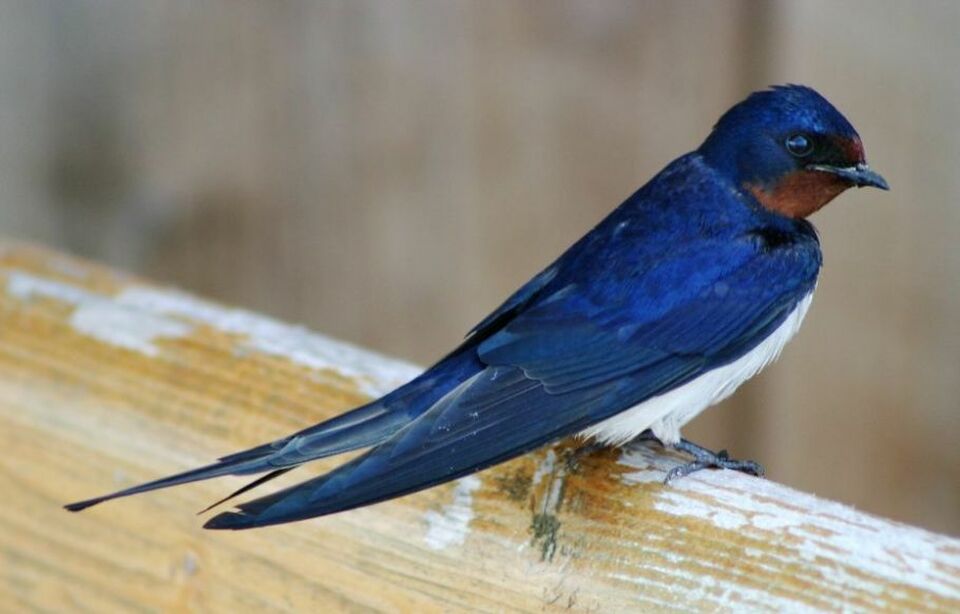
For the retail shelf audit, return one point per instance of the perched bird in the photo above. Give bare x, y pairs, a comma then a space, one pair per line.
682, 293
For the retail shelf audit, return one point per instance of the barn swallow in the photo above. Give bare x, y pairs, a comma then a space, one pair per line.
687, 289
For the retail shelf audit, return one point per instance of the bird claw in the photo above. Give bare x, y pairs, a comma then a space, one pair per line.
703, 459
684, 470
720, 461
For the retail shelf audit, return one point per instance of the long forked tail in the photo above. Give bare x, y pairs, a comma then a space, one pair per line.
362, 427
359, 428
194, 475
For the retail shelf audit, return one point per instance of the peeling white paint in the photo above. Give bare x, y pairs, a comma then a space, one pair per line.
686, 588
25, 287
101, 317
190, 564
881, 551
545, 467
672, 605
681, 504
554, 495
716, 594
376, 374
138, 316
121, 326
451, 526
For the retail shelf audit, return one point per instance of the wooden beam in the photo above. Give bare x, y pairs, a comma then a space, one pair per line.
106, 380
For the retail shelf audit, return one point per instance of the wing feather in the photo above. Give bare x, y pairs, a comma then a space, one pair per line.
558, 367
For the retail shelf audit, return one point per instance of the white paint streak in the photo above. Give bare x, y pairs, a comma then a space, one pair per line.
119, 325
25, 287
551, 503
139, 316
681, 504
689, 588
451, 526
101, 317
720, 593
673, 604
376, 374
555, 472
545, 467
834, 535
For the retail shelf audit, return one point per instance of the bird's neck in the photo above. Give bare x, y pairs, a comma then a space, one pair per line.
797, 194
794, 193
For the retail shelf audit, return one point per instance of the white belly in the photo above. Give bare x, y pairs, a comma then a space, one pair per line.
666, 413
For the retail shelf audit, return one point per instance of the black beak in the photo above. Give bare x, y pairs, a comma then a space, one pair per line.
860, 175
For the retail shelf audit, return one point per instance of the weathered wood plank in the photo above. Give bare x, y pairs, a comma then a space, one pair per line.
106, 381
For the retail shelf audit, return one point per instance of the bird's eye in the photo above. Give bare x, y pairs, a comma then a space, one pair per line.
799, 145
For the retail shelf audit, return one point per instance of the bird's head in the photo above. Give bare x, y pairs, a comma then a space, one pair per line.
791, 149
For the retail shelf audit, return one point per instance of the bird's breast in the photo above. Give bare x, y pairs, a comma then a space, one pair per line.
670, 410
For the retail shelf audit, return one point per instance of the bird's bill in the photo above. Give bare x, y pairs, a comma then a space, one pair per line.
860, 175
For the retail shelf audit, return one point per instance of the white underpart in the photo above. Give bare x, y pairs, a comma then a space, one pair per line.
666, 413
451, 526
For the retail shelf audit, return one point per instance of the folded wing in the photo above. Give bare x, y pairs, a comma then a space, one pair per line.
558, 367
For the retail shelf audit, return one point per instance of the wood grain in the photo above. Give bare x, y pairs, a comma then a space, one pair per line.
106, 381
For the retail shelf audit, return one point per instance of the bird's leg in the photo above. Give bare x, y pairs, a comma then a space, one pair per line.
702, 459
574, 456
648, 435
707, 459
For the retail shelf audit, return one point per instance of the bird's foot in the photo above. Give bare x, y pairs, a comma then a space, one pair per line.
702, 459
708, 459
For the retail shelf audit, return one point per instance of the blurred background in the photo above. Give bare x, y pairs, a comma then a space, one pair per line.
387, 172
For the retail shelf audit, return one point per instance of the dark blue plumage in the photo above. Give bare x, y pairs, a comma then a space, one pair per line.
687, 277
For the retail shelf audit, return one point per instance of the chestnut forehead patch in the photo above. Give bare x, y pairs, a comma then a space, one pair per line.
852, 148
